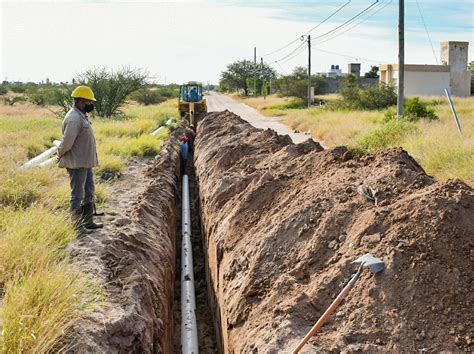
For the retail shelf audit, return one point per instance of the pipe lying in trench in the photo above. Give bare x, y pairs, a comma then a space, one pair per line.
189, 333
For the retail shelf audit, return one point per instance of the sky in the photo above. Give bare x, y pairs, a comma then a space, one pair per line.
179, 41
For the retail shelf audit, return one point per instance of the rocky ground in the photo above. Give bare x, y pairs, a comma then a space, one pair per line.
283, 223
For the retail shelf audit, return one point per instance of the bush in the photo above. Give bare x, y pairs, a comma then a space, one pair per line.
414, 110
372, 97
18, 89
3, 90
12, 100
296, 84
154, 96
377, 97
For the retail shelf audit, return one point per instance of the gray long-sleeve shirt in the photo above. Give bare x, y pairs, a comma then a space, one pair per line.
77, 150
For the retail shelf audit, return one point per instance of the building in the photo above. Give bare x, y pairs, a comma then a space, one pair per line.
431, 80
354, 69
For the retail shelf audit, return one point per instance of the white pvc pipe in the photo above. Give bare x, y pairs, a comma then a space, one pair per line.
157, 130
168, 122
47, 163
189, 333
43, 156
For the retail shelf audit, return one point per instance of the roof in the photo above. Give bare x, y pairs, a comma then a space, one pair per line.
416, 67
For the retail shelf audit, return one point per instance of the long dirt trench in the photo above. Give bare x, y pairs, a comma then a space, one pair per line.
275, 227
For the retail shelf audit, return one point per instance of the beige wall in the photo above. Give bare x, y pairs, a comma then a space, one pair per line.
426, 83
421, 82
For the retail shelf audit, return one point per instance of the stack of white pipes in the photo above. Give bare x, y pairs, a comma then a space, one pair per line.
40, 160
189, 334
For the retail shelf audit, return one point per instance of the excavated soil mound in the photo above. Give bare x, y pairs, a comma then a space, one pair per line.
283, 222
132, 260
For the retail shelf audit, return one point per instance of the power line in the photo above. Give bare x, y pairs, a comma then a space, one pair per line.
348, 21
312, 29
346, 55
286, 56
426, 29
297, 54
358, 23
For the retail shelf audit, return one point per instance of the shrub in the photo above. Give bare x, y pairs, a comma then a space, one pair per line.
12, 100
296, 84
154, 96
147, 97
3, 90
377, 96
372, 97
414, 110
18, 89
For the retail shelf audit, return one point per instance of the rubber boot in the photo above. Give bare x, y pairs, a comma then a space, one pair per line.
78, 220
88, 215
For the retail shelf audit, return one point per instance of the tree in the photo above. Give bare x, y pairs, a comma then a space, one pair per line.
238, 75
373, 72
296, 84
111, 88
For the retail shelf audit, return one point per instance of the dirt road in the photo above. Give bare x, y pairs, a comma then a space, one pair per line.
217, 102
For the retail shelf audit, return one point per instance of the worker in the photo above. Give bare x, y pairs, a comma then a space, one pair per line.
77, 153
191, 134
194, 95
184, 153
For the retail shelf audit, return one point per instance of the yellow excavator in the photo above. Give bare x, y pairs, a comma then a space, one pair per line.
191, 102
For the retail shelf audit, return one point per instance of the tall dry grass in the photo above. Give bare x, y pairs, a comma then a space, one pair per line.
42, 294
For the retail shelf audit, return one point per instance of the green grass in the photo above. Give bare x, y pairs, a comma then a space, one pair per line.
41, 293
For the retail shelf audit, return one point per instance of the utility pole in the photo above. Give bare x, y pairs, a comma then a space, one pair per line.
255, 73
264, 87
401, 57
309, 71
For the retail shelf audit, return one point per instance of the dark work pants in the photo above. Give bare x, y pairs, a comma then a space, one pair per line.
82, 187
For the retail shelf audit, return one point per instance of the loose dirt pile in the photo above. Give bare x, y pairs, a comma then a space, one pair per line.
133, 259
283, 223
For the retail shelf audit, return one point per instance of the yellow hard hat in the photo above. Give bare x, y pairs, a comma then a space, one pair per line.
83, 92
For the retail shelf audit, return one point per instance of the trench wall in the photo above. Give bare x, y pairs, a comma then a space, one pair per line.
135, 266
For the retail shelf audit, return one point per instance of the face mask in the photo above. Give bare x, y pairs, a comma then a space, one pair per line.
88, 108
